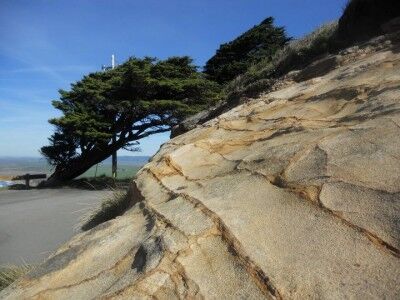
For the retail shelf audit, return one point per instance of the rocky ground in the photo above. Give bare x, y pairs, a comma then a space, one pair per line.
294, 195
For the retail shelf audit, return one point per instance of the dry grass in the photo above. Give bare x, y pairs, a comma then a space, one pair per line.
9, 274
97, 183
296, 55
361, 19
301, 52
110, 208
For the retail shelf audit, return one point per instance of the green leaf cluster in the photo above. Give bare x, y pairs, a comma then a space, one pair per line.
136, 99
234, 58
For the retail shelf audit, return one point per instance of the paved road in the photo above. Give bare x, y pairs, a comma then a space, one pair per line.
34, 223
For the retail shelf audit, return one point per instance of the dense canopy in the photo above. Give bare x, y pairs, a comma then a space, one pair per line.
138, 98
235, 57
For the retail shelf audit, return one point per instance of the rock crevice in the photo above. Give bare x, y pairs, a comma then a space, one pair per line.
294, 195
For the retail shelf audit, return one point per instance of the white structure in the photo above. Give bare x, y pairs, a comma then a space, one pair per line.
105, 68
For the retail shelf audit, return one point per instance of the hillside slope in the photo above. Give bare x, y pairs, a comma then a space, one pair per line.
294, 195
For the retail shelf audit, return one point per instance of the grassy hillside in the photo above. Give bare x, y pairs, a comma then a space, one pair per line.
124, 171
295, 55
361, 19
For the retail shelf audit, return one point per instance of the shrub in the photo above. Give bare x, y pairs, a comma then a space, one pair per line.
361, 19
301, 52
97, 183
297, 54
109, 209
11, 273
235, 57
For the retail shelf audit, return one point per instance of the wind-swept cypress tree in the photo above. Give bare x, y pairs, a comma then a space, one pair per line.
138, 98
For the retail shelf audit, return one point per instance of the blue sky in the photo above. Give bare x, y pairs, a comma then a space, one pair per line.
45, 45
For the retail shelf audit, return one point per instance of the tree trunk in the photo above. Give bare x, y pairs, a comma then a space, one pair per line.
99, 153
80, 165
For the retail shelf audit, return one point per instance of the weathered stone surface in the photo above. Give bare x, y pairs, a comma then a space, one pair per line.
295, 195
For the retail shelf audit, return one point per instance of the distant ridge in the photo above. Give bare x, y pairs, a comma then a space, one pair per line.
130, 159
140, 159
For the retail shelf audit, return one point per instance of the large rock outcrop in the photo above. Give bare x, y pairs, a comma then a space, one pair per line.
294, 195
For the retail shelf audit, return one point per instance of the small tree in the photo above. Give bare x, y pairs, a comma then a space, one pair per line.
235, 57
138, 98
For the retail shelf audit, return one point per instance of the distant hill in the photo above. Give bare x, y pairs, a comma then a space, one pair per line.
139, 160
17, 161
11, 166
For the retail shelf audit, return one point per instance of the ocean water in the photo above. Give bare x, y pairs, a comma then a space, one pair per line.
5, 183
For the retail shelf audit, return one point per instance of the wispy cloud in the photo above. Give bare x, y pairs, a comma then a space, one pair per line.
33, 48
47, 69
15, 95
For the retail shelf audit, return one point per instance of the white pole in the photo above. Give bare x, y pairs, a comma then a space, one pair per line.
112, 61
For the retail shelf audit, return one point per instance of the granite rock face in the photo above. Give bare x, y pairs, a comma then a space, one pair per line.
294, 195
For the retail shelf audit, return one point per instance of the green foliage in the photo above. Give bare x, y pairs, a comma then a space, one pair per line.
235, 57
297, 54
62, 148
132, 101
361, 19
